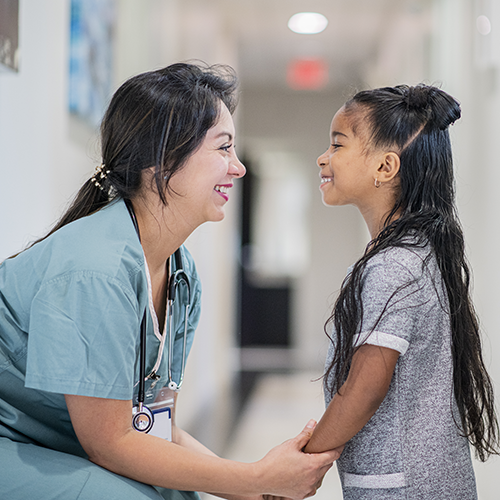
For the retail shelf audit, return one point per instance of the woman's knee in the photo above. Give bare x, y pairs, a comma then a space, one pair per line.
30, 471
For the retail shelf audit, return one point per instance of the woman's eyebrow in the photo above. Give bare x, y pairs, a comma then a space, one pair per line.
228, 134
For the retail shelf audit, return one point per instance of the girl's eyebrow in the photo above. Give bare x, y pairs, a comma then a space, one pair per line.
335, 133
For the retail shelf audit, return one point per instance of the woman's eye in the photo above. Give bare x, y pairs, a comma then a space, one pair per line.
226, 148
336, 146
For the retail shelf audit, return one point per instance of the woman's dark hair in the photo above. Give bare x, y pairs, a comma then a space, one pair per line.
414, 121
155, 119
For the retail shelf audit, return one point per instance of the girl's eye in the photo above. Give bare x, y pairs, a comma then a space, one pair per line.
336, 146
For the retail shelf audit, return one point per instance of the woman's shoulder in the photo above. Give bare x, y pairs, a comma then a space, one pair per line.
104, 243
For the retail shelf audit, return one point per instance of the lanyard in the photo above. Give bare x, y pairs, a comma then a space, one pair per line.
176, 278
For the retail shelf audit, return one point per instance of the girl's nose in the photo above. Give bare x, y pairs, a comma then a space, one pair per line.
322, 160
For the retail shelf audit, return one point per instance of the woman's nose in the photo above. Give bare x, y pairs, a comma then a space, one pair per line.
237, 168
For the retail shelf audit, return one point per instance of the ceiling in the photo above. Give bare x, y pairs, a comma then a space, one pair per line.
361, 34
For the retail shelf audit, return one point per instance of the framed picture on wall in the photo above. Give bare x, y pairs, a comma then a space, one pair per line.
91, 58
9, 34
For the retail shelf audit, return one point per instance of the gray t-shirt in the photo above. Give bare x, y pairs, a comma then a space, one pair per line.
411, 448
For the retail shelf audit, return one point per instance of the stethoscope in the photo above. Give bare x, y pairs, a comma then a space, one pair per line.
143, 418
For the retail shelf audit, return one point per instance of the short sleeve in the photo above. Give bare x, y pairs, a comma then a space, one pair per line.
82, 337
392, 302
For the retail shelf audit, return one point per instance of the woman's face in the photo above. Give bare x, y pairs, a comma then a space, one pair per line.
348, 170
202, 186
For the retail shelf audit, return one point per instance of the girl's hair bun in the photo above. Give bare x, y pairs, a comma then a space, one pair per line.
441, 110
417, 98
445, 109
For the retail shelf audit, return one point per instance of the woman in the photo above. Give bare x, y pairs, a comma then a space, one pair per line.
406, 386
85, 317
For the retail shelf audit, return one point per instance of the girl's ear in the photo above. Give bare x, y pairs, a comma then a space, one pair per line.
388, 167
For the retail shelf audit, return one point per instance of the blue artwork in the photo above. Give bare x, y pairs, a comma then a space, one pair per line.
91, 58
9, 34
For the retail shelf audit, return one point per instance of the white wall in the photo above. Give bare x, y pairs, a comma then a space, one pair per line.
40, 165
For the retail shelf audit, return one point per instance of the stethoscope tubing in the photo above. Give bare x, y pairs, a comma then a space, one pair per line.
175, 279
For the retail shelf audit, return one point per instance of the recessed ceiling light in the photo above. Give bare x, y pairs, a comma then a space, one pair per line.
483, 25
308, 23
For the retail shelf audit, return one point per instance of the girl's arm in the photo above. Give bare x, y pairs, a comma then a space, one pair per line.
350, 409
103, 427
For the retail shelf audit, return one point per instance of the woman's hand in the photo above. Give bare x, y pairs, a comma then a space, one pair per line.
288, 472
114, 445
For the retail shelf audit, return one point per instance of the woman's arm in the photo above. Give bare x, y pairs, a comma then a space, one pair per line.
185, 439
103, 427
350, 409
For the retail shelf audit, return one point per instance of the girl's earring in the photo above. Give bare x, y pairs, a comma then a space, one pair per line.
377, 183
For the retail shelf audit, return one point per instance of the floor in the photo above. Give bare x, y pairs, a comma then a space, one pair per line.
277, 409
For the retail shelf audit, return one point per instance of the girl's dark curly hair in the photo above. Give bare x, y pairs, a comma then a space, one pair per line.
415, 121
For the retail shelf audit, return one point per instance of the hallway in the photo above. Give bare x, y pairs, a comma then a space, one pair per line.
295, 243
278, 408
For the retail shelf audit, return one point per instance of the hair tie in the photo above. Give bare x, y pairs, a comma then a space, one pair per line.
99, 176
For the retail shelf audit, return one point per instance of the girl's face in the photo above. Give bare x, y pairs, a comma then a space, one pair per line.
348, 169
202, 185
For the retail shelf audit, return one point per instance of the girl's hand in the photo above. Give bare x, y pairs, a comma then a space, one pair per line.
288, 472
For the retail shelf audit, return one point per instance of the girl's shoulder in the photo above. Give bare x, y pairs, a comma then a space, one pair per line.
410, 261
410, 255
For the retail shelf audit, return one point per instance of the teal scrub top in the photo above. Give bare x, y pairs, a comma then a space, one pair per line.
70, 314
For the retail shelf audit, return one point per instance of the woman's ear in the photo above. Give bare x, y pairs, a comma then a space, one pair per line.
388, 167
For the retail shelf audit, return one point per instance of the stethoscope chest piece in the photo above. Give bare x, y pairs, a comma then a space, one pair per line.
142, 419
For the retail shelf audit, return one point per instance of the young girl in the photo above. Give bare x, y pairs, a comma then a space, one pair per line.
406, 386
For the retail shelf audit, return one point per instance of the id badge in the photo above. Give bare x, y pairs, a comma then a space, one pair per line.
163, 412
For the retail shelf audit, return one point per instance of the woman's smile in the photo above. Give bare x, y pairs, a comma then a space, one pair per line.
222, 189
